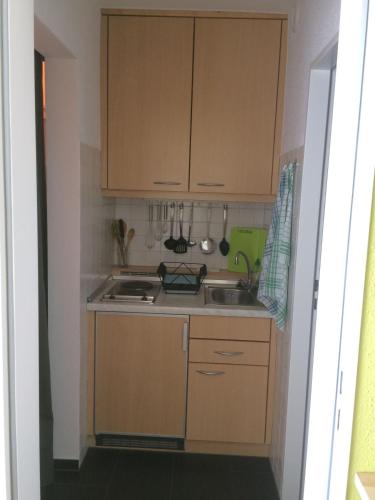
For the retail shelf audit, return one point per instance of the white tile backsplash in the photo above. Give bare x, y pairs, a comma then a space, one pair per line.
97, 213
135, 213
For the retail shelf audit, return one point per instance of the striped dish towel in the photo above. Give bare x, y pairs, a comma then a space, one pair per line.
273, 282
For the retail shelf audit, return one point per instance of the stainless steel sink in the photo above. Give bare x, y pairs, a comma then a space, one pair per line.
233, 296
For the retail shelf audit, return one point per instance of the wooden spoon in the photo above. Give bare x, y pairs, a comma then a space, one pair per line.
130, 236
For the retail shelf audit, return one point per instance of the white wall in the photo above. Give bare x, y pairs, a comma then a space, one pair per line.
281, 6
72, 28
67, 33
97, 214
76, 24
63, 202
316, 24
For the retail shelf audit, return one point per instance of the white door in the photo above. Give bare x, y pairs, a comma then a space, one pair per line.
323, 197
355, 273
326, 467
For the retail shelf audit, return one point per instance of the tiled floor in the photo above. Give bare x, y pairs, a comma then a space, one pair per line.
139, 475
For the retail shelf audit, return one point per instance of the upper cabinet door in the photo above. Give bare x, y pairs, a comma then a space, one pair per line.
236, 72
149, 102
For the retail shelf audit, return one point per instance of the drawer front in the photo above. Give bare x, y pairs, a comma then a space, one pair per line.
229, 352
227, 403
230, 328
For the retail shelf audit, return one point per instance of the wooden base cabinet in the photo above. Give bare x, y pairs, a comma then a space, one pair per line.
227, 403
141, 381
140, 374
231, 370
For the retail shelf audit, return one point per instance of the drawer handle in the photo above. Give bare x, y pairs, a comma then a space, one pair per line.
210, 184
167, 183
229, 353
185, 337
213, 373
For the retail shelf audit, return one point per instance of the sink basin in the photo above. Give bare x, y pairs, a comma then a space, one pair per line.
230, 297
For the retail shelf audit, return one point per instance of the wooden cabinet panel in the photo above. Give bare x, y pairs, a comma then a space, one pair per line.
236, 72
230, 328
149, 102
227, 403
140, 375
226, 351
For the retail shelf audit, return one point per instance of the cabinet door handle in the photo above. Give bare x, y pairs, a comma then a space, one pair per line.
210, 184
213, 373
167, 183
229, 353
185, 337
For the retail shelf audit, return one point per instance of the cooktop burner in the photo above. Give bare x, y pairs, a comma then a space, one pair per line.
133, 291
132, 286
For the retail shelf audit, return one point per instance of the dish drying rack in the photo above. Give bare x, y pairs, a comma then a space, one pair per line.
178, 277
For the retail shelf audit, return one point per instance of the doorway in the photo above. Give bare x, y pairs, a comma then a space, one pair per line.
45, 401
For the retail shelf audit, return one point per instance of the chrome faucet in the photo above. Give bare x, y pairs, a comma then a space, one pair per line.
249, 283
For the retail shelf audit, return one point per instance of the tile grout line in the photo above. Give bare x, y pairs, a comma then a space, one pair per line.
106, 496
172, 478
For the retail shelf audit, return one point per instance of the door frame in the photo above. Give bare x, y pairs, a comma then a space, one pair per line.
323, 474
304, 277
355, 271
17, 46
5, 457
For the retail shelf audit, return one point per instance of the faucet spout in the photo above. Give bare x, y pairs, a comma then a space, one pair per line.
248, 284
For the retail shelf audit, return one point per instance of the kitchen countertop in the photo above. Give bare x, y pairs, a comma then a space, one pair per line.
178, 304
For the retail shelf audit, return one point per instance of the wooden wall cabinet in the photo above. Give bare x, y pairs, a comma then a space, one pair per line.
140, 374
149, 102
192, 104
236, 71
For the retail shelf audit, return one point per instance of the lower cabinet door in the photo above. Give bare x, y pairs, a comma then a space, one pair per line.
227, 403
140, 375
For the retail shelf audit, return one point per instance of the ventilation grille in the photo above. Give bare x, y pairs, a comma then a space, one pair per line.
124, 440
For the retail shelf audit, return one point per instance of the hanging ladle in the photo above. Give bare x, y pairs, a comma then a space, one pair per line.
208, 245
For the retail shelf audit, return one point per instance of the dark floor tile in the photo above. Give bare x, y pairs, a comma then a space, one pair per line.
257, 464
75, 492
252, 479
141, 476
96, 469
201, 477
253, 488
